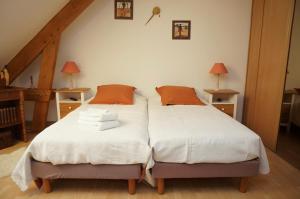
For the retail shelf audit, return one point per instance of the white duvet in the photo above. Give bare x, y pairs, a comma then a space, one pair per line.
67, 142
201, 134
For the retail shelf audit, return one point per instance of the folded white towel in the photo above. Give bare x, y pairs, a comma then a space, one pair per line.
97, 111
97, 115
99, 126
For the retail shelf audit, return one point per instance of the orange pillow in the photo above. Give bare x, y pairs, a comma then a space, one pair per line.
114, 94
178, 95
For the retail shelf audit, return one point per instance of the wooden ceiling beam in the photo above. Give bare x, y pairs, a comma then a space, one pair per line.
50, 31
45, 82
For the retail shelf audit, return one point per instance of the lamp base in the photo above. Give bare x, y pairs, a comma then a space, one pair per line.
218, 85
71, 82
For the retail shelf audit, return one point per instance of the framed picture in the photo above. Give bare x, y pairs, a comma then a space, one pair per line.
181, 29
123, 9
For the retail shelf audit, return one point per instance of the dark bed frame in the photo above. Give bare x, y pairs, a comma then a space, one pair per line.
243, 170
44, 172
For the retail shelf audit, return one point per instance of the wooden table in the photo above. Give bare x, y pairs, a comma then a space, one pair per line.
12, 112
287, 108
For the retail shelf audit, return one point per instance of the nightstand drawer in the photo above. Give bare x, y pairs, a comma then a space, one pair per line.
226, 108
66, 108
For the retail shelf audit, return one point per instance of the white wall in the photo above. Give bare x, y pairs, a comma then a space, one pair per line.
20, 20
127, 51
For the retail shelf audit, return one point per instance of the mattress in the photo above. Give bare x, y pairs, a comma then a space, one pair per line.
201, 134
67, 142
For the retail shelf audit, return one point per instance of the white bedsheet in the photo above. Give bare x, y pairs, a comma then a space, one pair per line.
201, 134
66, 143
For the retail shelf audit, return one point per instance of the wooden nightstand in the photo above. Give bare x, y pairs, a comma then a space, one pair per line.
68, 100
224, 99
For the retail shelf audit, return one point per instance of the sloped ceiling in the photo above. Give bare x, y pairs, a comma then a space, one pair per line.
20, 21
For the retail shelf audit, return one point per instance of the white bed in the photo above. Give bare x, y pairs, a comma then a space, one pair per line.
201, 134
66, 142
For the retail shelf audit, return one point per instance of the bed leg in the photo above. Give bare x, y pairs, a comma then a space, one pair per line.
160, 185
38, 183
244, 184
46, 186
131, 186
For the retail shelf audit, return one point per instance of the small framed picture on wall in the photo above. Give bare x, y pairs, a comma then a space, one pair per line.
123, 9
181, 30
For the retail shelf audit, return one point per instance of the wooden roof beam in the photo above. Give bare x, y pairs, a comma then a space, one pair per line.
50, 31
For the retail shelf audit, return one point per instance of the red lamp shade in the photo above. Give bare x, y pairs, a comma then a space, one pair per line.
218, 68
70, 67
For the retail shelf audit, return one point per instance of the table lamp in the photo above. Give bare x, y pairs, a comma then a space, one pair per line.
70, 68
218, 69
